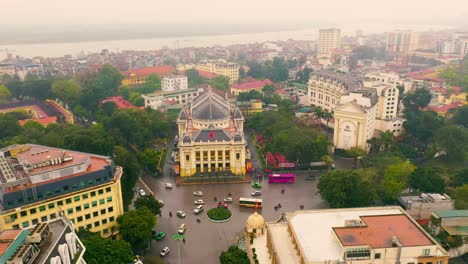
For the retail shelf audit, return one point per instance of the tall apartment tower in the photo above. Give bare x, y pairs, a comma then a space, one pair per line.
329, 39
402, 41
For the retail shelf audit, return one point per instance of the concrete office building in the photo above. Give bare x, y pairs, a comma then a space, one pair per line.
174, 83
402, 41
329, 40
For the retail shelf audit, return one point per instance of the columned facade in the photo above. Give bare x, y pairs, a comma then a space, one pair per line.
211, 137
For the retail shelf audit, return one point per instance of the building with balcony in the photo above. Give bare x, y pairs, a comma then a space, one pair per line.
211, 136
174, 83
40, 183
54, 241
354, 235
325, 88
220, 67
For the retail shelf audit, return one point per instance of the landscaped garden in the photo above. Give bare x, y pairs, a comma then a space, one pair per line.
219, 214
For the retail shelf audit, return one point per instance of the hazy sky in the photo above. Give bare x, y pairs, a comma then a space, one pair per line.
73, 12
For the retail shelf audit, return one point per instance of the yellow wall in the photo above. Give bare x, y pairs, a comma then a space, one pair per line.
100, 204
133, 80
239, 91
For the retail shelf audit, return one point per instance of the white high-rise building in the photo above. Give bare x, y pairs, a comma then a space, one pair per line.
329, 40
174, 83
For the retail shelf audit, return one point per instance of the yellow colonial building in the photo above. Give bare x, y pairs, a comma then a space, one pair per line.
211, 137
39, 184
221, 67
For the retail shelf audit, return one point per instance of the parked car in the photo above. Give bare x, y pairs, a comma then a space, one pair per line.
198, 193
164, 251
142, 192
180, 214
182, 228
199, 201
228, 200
256, 193
160, 235
168, 185
198, 210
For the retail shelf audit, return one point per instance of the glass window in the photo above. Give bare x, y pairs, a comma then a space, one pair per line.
79, 219
35, 221
42, 208
25, 224
90, 182
86, 206
94, 203
70, 211
53, 216
44, 219
101, 191
82, 184
110, 209
48, 193
103, 211
85, 196
105, 231
40, 195
95, 213
104, 221
377, 255
109, 199
65, 188
108, 189
89, 226
60, 203
101, 201
87, 216
111, 219
16, 227
32, 211
74, 186
93, 193
68, 201
96, 224
51, 205
77, 198
78, 208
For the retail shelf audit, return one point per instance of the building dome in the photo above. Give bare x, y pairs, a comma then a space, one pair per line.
255, 221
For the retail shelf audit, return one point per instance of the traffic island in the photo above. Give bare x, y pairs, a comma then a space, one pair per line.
219, 215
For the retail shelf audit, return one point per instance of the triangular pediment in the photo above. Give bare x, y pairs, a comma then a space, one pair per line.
351, 107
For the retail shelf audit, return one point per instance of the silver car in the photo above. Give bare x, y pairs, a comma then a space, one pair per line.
164, 251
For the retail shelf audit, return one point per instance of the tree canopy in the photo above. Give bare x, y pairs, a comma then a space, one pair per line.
346, 188
453, 141
427, 180
149, 202
276, 70
461, 197
220, 82
234, 255
5, 94
101, 250
66, 90
396, 179
136, 226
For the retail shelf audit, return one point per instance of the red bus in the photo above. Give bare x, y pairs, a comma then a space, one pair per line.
282, 178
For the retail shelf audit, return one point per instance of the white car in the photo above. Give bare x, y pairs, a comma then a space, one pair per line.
164, 251
168, 185
198, 193
161, 202
198, 210
142, 192
228, 200
199, 201
180, 214
256, 193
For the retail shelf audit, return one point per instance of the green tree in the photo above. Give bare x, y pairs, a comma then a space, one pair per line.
136, 226
303, 75
395, 179
101, 250
148, 158
422, 125
127, 160
9, 125
460, 178
153, 260
37, 88
356, 153
461, 197
453, 140
253, 94
461, 116
416, 99
152, 83
346, 188
66, 90
234, 255
268, 89
5, 94
220, 82
149, 202
426, 179
194, 78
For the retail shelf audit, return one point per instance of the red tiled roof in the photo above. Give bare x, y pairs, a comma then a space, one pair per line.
43, 121
280, 91
379, 231
251, 85
120, 102
6, 238
159, 70
207, 75
445, 108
